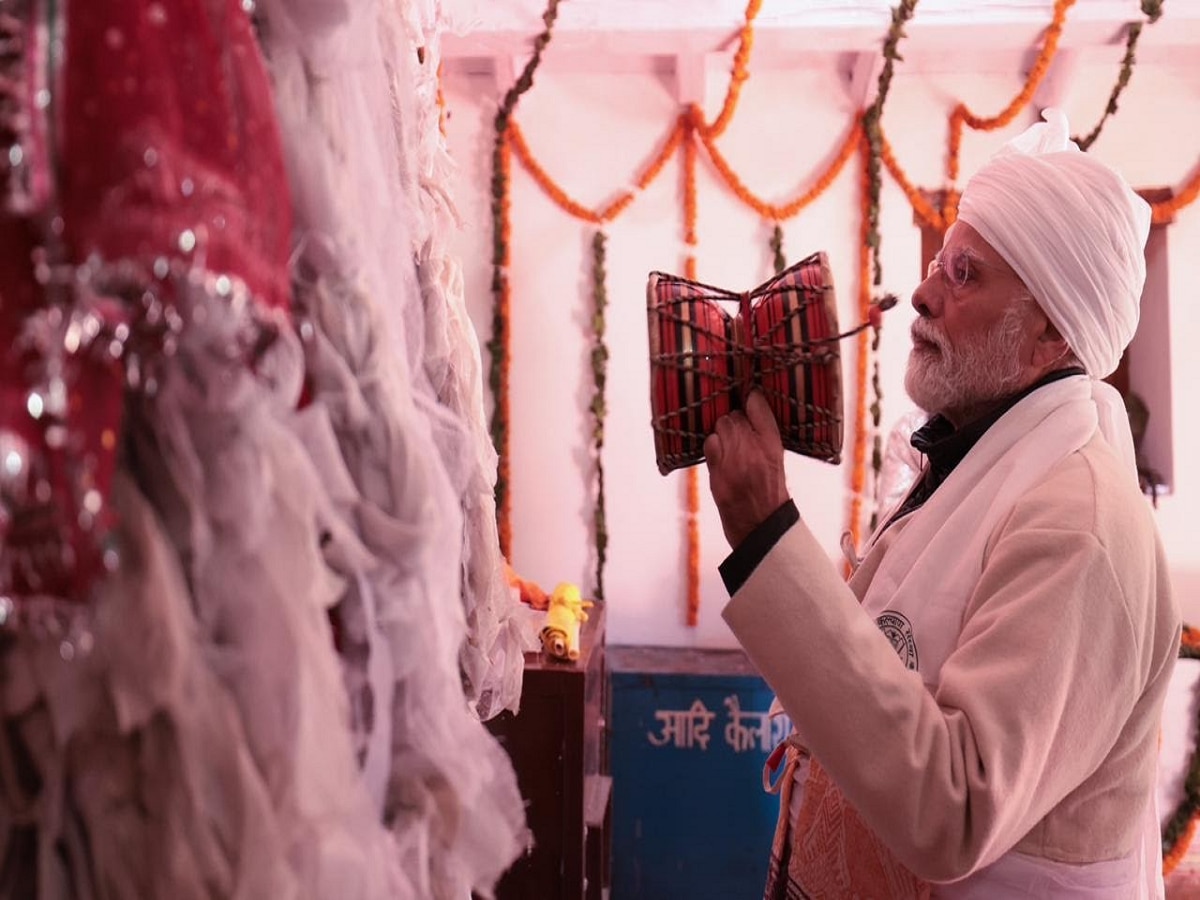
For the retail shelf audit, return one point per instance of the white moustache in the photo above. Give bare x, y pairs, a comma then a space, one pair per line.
924, 331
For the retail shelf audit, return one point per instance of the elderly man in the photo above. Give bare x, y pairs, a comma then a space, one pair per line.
977, 710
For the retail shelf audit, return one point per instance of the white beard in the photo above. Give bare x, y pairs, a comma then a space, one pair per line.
972, 374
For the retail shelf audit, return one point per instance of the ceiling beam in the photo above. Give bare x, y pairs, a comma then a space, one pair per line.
602, 33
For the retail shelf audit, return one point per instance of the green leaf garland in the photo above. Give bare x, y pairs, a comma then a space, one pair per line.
874, 136
498, 346
778, 258
1152, 10
599, 407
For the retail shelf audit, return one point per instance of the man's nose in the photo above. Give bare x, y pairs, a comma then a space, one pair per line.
926, 299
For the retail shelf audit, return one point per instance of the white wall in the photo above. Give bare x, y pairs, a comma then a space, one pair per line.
594, 133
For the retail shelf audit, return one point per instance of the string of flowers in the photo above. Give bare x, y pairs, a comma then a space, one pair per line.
499, 346
1164, 211
573, 207
923, 209
694, 118
1153, 10
599, 407
787, 210
741, 63
1180, 829
962, 116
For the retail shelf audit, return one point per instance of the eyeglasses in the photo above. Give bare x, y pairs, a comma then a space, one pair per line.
960, 267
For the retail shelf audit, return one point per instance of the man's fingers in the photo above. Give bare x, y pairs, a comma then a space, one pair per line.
758, 411
712, 449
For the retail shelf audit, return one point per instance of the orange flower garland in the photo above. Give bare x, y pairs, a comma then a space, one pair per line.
516, 140
787, 210
1189, 643
573, 207
963, 116
921, 207
693, 476
1164, 212
649, 174
737, 77
1174, 856
693, 546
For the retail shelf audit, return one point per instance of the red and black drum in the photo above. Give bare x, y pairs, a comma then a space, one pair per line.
710, 347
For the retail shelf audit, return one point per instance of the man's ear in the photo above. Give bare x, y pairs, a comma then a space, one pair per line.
1050, 347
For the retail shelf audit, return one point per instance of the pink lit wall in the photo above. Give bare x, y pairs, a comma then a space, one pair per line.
593, 133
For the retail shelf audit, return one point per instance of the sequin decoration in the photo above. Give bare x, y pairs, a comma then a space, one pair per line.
130, 208
24, 172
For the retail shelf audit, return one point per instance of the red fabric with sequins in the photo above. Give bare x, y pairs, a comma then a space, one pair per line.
162, 145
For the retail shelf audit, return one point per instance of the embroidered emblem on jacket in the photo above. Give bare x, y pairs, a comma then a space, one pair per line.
899, 631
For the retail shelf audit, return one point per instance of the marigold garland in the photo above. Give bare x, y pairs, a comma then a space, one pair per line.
574, 208
1189, 643
923, 209
689, 269
1152, 10
693, 547
1174, 852
741, 62
499, 346
649, 174
1164, 212
962, 116
792, 207
599, 407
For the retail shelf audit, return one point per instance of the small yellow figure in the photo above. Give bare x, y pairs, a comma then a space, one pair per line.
560, 634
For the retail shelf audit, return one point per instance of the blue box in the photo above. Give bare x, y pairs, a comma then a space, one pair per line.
689, 736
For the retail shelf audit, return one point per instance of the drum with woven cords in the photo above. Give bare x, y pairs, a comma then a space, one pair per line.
710, 347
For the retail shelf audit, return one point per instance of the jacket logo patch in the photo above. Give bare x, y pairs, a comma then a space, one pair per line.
897, 629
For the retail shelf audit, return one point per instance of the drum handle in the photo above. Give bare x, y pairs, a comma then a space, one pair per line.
743, 353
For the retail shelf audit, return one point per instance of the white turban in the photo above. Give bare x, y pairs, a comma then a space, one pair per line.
1073, 230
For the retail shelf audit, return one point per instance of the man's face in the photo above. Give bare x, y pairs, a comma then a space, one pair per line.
973, 340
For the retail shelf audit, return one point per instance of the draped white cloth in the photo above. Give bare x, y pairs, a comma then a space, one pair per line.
395, 373
202, 745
